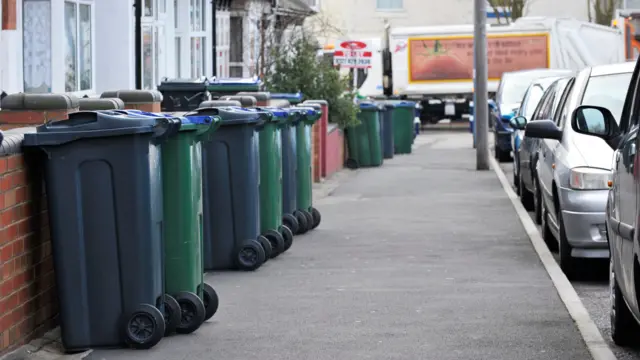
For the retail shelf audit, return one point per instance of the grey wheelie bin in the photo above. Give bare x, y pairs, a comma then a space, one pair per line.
104, 190
231, 203
386, 129
183, 94
290, 171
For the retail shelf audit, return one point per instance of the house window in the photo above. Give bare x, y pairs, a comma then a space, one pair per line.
197, 11
236, 47
153, 38
78, 47
36, 45
389, 5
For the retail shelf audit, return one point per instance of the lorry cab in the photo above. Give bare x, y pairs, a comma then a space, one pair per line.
628, 21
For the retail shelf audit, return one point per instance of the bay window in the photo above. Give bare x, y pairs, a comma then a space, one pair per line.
78, 49
153, 40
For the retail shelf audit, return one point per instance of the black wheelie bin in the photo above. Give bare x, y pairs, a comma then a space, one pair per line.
104, 191
231, 202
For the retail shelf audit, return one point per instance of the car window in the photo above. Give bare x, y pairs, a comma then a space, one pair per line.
531, 101
629, 117
562, 112
608, 91
546, 111
538, 113
512, 89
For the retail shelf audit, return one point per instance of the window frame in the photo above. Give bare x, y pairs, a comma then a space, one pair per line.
390, 9
156, 21
560, 117
27, 61
91, 90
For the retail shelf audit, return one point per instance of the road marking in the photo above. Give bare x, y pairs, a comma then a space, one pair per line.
598, 348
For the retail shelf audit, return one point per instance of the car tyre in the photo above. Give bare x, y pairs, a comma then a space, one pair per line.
623, 326
567, 262
547, 235
526, 196
537, 200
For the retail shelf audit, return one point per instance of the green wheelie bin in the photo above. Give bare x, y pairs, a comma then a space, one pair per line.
304, 187
270, 144
363, 140
403, 129
182, 196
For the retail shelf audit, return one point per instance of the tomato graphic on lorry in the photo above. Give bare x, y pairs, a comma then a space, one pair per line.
451, 58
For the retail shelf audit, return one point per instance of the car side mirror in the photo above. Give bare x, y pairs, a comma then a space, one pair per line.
596, 121
518, 122
543, 129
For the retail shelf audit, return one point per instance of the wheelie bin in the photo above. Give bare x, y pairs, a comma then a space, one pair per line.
304, 186
104, 187
271, 227
289, 175
183, 94
230, 178
363, 140
294, 99
386, 130
403, 129
230, 86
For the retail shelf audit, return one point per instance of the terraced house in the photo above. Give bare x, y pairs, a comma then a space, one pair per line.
93, 48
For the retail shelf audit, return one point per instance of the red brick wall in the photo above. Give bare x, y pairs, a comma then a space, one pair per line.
316, 151
28, 300
334, 154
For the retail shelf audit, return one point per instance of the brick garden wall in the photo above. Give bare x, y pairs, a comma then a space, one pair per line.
334, 154
28, 300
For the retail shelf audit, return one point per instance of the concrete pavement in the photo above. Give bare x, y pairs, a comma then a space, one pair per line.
423, 258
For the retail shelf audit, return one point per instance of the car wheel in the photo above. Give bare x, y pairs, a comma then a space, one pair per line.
537, 200
516, 174
567, 262
623, 326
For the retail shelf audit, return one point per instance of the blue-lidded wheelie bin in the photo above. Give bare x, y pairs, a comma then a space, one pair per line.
231, 202
104, 187
386, 129
290, 173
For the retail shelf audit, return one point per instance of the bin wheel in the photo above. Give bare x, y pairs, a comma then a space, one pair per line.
251, 256
210, 300
309, 217
287, 235
171, 314
144, 327
291, 222
352, 164
303, 227
277, 242
192, 312
315, 214
266, 246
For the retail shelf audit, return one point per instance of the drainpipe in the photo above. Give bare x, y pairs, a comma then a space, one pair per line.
214, 37
137, 5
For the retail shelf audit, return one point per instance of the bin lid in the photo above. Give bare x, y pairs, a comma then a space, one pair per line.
184, 84
235, 81
232, 115
405, 104
237, 84
309, 113
369, 106
278, 115
99, 124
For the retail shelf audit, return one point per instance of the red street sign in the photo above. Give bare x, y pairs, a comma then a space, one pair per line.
353, 45
367, 54
338, 53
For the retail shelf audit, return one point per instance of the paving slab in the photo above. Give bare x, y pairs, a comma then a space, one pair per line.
423, 258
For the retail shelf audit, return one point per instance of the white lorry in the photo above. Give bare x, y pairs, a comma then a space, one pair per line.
434, 64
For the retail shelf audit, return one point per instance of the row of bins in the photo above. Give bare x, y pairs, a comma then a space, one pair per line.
142, 204
386, 128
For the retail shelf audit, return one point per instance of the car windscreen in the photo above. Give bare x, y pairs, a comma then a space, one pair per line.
514, 87
608, 91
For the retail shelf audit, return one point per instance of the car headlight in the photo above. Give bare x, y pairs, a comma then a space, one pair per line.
586, 178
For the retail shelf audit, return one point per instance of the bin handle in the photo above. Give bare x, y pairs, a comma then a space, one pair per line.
165, 128
88, 117
199, 111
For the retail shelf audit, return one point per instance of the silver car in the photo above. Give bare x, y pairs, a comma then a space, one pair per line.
574, 170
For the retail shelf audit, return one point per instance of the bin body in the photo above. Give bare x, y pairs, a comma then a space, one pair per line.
403, 130
183, 209
270, 149
387, 131
304, 185
230, 177
289, 164
363, 140
183, 94
104, 190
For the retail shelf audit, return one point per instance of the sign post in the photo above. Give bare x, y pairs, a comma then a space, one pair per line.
480, 80
353, 54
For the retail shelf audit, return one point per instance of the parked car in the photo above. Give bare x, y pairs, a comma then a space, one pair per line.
548, 92
574, 169
511, 90
618, 129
